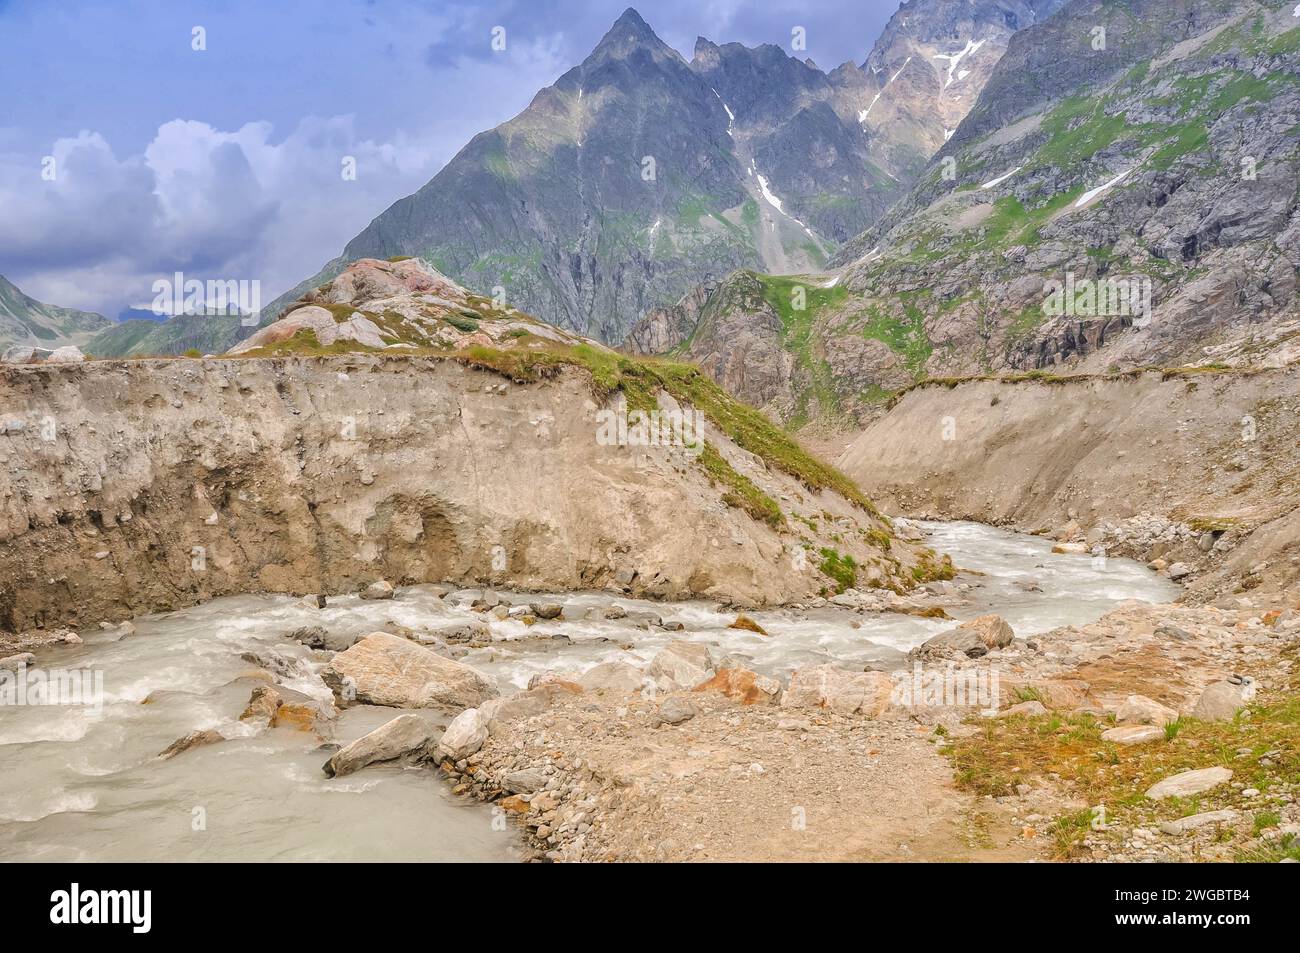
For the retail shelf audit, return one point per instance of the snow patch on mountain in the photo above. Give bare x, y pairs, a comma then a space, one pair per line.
955, 58
1000, 179
862, 116
1091, 194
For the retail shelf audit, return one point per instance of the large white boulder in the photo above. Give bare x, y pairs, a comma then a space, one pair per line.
464, 736
386, 669
840, 690
683, 664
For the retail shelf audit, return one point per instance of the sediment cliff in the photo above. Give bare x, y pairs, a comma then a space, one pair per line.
133, 486
1200, 466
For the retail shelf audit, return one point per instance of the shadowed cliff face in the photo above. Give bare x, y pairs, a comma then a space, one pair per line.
127, 487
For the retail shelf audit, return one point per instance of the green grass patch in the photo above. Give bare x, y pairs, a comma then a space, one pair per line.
840, 568
738, 490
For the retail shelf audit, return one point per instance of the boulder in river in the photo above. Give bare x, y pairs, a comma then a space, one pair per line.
458, 633
383, 589
195, 739
405, 735
319, 637
745, 622
464, 736
547, 610
13, 663
385, 669
682, 664
262, 705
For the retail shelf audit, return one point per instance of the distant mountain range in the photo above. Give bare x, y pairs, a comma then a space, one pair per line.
1124, 192
639, 174
24, 320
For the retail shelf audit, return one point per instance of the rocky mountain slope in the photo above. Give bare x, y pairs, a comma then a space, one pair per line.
140, 337
1112, 207
930, 65
24, 320
1198, 468
394, 426
639, 174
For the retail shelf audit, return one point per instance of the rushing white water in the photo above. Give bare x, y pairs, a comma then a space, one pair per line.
80, 783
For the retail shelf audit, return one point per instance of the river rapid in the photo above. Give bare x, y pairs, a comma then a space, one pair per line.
83, 782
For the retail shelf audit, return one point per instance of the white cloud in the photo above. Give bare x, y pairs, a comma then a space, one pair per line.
230, 204
211, 203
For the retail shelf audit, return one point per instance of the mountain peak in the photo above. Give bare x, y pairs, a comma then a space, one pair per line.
629, 32
630, 18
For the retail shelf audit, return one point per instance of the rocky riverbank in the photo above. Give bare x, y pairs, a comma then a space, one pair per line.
835, 764
981, 744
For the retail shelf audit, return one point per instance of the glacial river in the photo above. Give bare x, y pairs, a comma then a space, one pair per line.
83, 783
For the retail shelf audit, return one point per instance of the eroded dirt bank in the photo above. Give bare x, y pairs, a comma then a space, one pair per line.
1198, 468
129, 487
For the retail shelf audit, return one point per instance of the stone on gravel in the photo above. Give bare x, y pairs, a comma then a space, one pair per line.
532, 701
464, 736
547, 610
404, 735
744, 686
1222, 700
385, 669
1133, 734
840, 690
526, 781
1189, 782
1185, 824
674, 710
612, 677
1140, 710
951, 644
1031, 707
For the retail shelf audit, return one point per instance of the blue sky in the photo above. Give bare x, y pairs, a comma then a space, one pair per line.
226, 162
